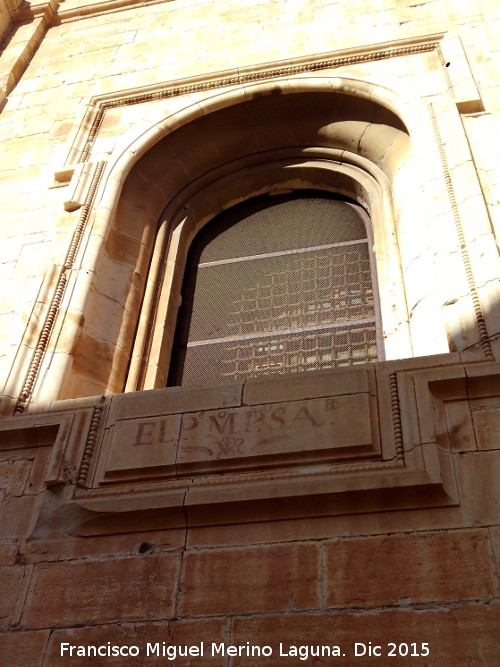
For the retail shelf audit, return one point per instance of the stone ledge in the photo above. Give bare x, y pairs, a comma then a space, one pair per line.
175, 457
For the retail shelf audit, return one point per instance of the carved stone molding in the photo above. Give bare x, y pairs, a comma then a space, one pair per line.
449, 50
245, 75
478, 311
333, 442
57, 296
205, 456
396, 416
90, 444
58, 431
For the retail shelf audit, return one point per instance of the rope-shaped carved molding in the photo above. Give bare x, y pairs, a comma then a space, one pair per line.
90, 444
396, 417
249, 77
41, 345
57, 296
478, 311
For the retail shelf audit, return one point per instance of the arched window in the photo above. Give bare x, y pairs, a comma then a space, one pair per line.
278, 284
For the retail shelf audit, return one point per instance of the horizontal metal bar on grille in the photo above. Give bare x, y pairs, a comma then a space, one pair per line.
282, 332
280, 253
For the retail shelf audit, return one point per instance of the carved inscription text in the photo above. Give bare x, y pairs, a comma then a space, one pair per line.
334, 425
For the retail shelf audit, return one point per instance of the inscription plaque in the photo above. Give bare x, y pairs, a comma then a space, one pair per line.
279, 428
328, 428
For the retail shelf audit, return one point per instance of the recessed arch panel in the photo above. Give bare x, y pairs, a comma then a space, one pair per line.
340, 136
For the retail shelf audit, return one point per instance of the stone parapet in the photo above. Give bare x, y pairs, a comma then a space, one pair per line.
323, 444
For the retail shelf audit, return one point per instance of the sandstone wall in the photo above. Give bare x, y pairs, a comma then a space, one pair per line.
115, 529
376, 517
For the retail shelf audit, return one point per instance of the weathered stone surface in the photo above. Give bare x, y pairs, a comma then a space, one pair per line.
487, 428
336, 423
101, 591
311, 385
477, 476
8, 551
151, 639
13, 591
144, 443
13, 476
432, 195
23, 649
396, 570
270, 578
459, 426
17, 515
128, 544
495, 543
464, 635
175, 399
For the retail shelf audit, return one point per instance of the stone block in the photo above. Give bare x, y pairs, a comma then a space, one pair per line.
427, 341
143, 444
13, 476
276, 388
482, 380
477, 477
459, 426
435, 389
17, 516
93, 358
157, 635
8, 552
122, 248
121, 589
11, 585
46, 548
23, 649
38, 472
325, 427
17, 434
419, 568
495, 543
464, 635
172, 400
487, 428
268, 578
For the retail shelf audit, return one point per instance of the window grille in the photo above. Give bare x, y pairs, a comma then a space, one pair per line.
277, 285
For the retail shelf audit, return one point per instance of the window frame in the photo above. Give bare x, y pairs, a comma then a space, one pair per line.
277, 172
266, 338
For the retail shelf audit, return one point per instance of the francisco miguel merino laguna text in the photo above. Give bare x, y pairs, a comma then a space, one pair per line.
171, 651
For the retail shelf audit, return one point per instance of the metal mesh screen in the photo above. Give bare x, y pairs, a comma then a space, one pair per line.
277, 285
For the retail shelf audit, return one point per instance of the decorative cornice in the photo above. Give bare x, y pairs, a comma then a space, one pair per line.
104, 7
32, 10
56, 14
337, 469
254, 74
39, 16
444, 66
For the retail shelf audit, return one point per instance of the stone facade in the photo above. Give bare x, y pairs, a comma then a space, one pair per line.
352, 507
